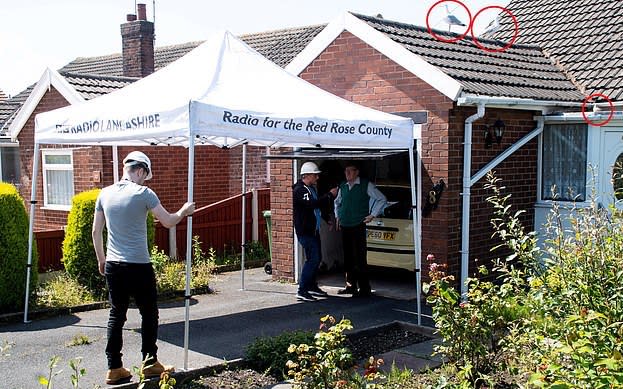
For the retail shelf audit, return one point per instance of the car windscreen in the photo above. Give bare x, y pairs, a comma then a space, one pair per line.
398, 202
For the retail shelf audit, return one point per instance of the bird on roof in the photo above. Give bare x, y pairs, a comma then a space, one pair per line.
493, 26
452, 20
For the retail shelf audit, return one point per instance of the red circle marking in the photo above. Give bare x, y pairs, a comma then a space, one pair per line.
458, 38
515, 34
610, 104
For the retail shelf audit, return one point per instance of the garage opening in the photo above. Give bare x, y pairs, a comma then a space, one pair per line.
389, 237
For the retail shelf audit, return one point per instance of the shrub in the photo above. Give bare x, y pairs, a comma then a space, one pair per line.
270, 354
14, 250
327, 363
79, 256
78, 253
171, 275
63, 291
562, 327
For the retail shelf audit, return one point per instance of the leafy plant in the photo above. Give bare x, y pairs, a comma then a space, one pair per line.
14, 250
553, 318
78, 371
327, 363
576, 326
166, 381
63, 291
47, 381
5, 347
79, 340
473, 330
171, 275
74, 364
270, 354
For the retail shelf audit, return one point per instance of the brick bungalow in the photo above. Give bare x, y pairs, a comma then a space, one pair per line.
536, 88
397, 67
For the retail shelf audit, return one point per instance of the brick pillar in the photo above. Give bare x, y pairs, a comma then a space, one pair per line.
137, 37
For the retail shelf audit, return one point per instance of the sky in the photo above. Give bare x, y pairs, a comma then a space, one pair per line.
40, 34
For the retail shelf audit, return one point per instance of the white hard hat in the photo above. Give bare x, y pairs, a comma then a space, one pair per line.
136, 157
309, 168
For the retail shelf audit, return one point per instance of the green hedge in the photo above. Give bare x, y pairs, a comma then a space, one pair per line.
14, 250
79, 256
78, 253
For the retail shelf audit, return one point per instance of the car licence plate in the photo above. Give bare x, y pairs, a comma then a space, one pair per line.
381, 235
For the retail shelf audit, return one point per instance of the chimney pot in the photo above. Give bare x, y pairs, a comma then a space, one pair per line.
142, 11
130, 17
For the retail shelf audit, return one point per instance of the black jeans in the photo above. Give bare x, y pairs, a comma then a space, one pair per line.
356, 257
127, 280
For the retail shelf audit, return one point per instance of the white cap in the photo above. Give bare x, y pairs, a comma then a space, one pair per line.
136, 157
309, 168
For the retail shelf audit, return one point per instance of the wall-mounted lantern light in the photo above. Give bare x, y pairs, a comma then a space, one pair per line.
497, 131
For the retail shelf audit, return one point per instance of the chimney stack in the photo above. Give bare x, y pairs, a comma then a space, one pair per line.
137, 38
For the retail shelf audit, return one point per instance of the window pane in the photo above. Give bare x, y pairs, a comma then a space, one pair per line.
564, 162
60, 187
10, 164
58, 159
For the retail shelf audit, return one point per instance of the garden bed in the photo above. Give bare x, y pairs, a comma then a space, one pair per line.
363, 343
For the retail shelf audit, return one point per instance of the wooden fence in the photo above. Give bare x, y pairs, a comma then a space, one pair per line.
218, 226
50, 249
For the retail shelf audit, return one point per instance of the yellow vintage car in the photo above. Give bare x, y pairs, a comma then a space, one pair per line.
390, 236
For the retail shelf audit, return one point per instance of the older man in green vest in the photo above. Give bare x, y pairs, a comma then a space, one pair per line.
352, 212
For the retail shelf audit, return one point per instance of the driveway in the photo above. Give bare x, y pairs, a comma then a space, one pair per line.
222, 324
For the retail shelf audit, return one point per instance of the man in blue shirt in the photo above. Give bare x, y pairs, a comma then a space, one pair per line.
307, 218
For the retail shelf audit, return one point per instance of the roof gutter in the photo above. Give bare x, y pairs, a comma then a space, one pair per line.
517, 103
599, 116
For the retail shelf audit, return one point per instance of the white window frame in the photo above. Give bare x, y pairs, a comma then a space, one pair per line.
57, 167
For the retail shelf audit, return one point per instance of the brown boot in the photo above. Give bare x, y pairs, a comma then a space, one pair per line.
117, 376
156, 369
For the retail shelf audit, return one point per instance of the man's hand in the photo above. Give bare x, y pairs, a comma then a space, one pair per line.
368, 219
333, 191
188, 209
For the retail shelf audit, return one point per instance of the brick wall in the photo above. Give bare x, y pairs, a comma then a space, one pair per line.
217, 172
357, 72
282, 224
351, 69
518, 174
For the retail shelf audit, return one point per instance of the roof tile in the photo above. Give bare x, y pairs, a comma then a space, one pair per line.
581, 34
520, 71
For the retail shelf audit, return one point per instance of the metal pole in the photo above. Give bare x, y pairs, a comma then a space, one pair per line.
31, 226
115, 163
189, 235
415, 205
244, 211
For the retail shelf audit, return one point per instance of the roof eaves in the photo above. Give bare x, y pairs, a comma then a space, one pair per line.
515, 103
381, 42
48, 79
